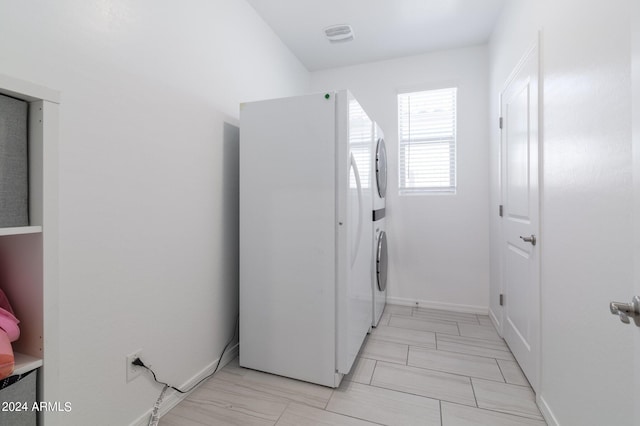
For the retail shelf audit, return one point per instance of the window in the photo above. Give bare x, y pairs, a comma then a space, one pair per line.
427, 127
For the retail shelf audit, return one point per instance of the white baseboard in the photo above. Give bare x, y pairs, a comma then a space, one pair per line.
454, 307
546, 412
174, 398
494, 320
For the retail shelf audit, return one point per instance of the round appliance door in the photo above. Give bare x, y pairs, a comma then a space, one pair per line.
381, 261
381, 168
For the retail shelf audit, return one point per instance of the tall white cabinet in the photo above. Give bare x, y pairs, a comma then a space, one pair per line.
29, 255
305, 235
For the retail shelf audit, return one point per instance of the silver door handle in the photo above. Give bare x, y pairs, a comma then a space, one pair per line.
626, 310
531, 239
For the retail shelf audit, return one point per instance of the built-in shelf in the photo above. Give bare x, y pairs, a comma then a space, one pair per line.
25, 363
29, 271
20, 230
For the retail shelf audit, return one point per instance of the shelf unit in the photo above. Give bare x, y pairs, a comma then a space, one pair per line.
29, 254
20, 230
25, 363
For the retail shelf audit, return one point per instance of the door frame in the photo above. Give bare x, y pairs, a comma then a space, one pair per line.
535, 46
635, 149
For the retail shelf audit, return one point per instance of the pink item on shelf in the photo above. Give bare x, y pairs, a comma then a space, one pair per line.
8, 322
9, 332
7, 360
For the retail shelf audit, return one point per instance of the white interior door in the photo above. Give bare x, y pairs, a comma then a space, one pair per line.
520, 225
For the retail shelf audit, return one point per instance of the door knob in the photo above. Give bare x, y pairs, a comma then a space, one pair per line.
531, 239
627, 310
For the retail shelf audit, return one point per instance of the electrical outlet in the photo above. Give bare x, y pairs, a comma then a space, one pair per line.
133, 371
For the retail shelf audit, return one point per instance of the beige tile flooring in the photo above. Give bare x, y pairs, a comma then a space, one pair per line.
418, 367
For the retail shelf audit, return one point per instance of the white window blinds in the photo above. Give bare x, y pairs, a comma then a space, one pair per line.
427, 124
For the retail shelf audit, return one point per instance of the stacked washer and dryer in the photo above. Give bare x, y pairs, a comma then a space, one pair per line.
380, 261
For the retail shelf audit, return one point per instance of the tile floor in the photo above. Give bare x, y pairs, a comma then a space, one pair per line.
418, 367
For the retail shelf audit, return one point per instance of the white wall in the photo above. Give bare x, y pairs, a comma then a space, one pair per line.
438, 244
586, 213
148, 180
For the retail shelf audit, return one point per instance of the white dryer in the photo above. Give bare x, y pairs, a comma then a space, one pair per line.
380, 261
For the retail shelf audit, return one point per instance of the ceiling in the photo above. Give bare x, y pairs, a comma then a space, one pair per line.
383, 29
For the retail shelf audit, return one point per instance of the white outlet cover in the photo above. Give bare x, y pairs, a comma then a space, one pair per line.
133, 371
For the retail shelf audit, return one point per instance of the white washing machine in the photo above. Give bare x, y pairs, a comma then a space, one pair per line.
379, 264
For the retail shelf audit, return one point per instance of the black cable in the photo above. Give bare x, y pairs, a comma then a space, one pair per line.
139, 363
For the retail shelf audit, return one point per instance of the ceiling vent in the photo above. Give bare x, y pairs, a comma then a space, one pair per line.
339, 33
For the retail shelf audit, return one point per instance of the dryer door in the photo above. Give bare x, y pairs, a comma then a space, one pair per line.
381, 168
381, 261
